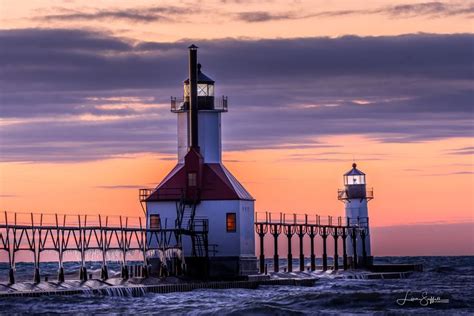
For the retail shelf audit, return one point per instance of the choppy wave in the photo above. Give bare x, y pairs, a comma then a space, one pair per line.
446, 277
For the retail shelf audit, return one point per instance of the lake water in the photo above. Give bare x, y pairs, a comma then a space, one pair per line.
449, 278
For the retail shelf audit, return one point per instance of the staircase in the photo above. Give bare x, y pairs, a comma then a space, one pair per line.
197, 229
186, 215
199, 245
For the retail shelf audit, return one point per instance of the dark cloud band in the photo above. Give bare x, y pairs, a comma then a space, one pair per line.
393, 89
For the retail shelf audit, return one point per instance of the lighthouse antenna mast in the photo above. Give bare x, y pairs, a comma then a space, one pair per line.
193, 98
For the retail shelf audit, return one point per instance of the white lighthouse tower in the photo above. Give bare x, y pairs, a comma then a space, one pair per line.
356, 196
199, 191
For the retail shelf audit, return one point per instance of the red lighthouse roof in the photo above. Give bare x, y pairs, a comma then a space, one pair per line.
218, 184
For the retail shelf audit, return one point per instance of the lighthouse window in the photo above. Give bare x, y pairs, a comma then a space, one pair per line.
202, 90
350, 180
231, 222
186, 90
192, 179
155, 221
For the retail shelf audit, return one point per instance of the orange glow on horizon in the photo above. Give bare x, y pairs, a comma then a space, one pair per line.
406, 188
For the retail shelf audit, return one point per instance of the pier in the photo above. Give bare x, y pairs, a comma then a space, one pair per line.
131, 240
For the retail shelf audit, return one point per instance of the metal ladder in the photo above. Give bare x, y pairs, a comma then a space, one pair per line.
185, 213
199, 238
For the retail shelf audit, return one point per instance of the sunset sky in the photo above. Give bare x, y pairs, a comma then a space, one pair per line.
312, 86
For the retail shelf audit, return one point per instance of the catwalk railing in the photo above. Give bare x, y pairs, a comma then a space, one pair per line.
62, 233
301, 225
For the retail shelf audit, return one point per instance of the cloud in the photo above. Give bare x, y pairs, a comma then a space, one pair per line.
463, 151
264, 16
143, 15
71, 95
62, 141
330, 157
167, 14
245, 1
466, 172
433, 9
51, 40
87, 61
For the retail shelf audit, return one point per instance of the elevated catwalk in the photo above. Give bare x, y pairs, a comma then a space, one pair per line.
37, 233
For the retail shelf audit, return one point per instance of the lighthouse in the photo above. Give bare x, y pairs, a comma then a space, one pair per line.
200, 193
356, 196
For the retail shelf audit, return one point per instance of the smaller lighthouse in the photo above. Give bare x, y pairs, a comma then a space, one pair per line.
356, 196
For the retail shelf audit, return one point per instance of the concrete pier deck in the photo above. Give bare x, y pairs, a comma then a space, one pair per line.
138, 287
141, 286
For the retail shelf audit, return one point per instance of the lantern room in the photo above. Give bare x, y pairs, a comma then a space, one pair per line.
205, 91
206, 100
354, 176
355, 186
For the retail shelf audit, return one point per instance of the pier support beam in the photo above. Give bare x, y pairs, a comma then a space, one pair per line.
59, 248
37, 276
312, 233
324, 234
61, 274
83, 274
124, 273
11, 276
104, 273
35, 245
82, 245
275, 230
354, 247
344, 248
364, 251
10, 250
145, 273
336, 256
289, 232
261, 231
301, 231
